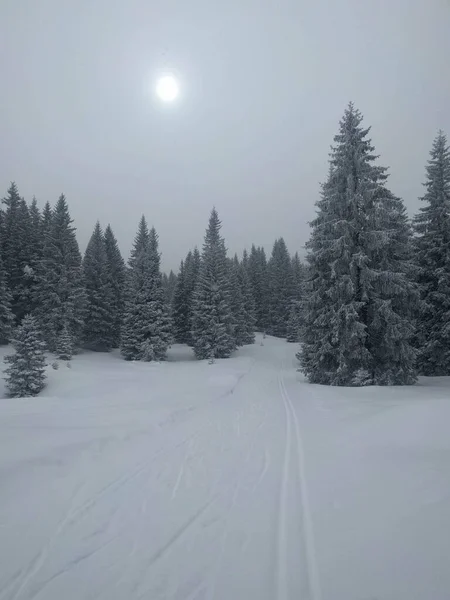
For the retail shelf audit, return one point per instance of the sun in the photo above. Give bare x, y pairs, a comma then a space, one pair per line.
167, 88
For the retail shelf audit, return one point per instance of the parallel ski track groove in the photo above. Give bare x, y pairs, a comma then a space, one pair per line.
308, 540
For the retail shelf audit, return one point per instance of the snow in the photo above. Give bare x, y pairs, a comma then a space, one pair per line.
236, 480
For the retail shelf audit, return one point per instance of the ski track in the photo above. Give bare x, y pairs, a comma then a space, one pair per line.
308, 537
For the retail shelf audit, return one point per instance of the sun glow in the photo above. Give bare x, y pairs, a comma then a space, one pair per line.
167, 88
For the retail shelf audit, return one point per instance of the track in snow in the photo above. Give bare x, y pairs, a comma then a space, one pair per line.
294, 453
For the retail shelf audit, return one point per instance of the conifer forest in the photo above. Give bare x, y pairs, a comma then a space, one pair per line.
368, 303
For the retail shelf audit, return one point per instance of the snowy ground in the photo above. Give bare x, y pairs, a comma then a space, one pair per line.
232, 481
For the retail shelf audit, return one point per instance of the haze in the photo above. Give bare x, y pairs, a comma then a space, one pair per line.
263, 88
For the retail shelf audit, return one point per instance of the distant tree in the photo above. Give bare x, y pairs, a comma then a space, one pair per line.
16, 249
116, 276
281, 288
294, 322
182, 303
36, 237
240, 328
293, 325
361, 301
245, 261
6, 316
64, 344
25, 375
169, 284
432, 252
141, 241
212, 334
257, 272
99, 323
192, 270
248, 305
60, 294
146, 331
180, 309
46, 220
298, 275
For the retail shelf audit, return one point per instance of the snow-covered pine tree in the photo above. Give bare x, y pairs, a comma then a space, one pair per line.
293, 325
245, 260
64, 344
183, 297
180, 309
212, 335
116, 274
6, 316
98, 333
295, 311
257, 272
281, 288
432, 245
146, 331
361, 301
60, 294
46, 220
192, 270
169, 287
29, 260
237, 303
36, 238
248, 304
16, 248
141, 241
25, 375
298, 275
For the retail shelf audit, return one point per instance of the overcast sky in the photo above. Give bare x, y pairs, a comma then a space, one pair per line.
264, 85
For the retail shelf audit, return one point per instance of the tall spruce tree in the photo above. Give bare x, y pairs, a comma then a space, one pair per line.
16, 251
25, 375
146, 331
6, 316
212, 333
281, 288
36, 237
141, 241
116, 275
46, 221
60, 295
98, 333
432, 245
361, 301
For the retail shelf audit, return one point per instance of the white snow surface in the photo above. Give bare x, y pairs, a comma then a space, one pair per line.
231, 481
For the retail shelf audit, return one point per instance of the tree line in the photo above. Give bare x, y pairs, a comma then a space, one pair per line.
59, 301
371, 304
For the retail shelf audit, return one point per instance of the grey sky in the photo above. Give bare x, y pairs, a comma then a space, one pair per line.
264, 86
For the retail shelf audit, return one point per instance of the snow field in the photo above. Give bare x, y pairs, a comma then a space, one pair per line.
189, 481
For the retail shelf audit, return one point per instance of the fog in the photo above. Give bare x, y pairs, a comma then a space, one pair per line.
263, 86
